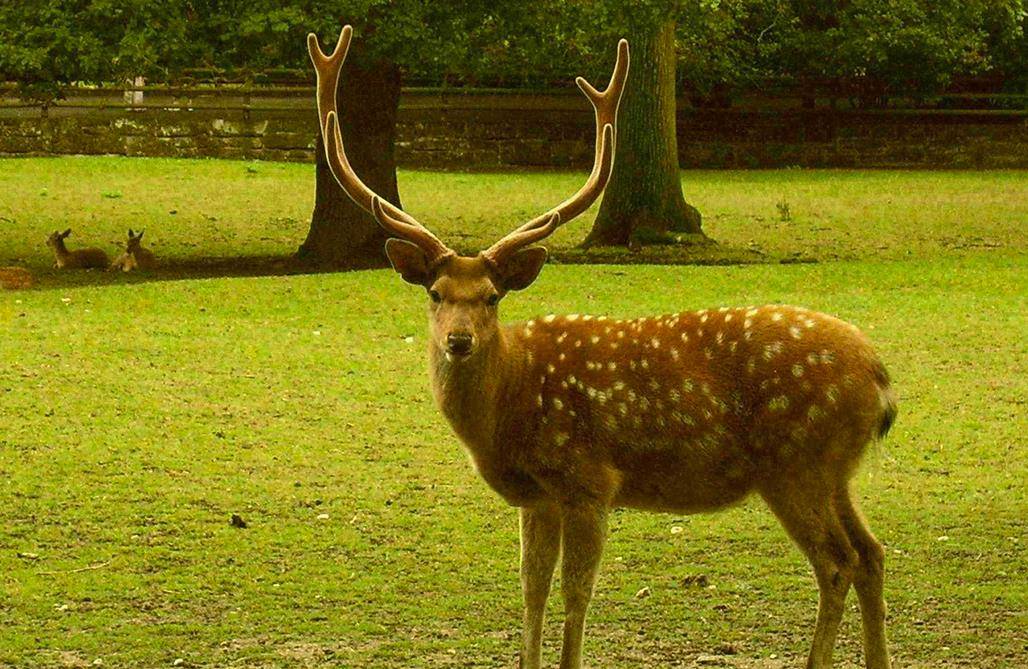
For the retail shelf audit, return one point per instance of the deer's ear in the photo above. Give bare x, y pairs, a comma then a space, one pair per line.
131, 234
522, 268
65, 233
409, 260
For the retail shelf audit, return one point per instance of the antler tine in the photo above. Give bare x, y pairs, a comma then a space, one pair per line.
605, 105
328, 69
416, 233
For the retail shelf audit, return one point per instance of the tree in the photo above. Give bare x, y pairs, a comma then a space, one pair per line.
643, 202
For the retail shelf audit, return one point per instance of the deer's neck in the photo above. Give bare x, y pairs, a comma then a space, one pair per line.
470, 392
61, 253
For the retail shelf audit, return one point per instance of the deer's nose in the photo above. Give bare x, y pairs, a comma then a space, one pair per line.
459, 343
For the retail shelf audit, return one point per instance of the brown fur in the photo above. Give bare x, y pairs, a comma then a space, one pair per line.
15, 278
567, 417
89, 258
135, 256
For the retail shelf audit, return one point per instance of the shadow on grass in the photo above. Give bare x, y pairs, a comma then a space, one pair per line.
48, 278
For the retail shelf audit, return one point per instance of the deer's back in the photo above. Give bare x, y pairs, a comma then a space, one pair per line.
690, 411
87, 259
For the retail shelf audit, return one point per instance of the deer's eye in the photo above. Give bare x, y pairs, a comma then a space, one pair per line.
493, 299
435, 296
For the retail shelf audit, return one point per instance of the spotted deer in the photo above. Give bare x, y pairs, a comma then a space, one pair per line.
90, 258
569, 416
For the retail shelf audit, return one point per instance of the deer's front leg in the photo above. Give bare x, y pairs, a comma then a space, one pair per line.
584, 530
540, 545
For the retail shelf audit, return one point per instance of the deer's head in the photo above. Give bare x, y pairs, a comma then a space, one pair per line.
56, 239
134, 241
464, 291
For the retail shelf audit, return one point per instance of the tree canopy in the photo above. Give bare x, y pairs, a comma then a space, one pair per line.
722, 45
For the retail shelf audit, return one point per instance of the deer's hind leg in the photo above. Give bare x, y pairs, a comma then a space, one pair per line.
805, 504
868, 580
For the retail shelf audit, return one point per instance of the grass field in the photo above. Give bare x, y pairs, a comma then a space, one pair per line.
137, 416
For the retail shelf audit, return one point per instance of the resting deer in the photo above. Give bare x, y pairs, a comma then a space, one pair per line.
77, 259
568, 416
135, 256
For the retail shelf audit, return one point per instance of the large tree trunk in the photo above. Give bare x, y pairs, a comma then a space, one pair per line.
341, 233
643, 202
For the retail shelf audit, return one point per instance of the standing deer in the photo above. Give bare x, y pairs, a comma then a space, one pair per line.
78, 259
569, 416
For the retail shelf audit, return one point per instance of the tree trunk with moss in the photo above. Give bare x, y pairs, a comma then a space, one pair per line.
643, 202
341, 233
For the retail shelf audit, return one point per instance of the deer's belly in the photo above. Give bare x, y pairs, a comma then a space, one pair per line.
684, 482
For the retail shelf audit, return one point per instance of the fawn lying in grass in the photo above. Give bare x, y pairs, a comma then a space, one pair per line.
135, 256
90, 258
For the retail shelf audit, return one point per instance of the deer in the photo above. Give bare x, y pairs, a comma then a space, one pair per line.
135, 256
89, 258
567, 417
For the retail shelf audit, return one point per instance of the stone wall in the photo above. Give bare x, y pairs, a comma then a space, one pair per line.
511, 129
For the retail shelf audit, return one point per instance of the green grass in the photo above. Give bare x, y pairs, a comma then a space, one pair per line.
196, 209
136, 417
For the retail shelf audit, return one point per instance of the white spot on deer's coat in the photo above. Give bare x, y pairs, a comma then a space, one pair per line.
750, 313
795, 332
562, 357
814, 412
687, 385
655, 342
703, 318
674, 354
827, 357
621, 334
594, 339
772, 349
550, 368
587, 317
572, 317
611, 366
619, 385
728, 317
776, 316
623, 409
561, 438
644, 363
832, 393
562, 337
778, 403
539, 401
685, 337
720, 338
732, 345
578, 343
549, 318
707, 352
809, 323
812, 359
750, 365
797, 370
558, 404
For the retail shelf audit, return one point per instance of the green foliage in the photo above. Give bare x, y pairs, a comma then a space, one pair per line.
724, 45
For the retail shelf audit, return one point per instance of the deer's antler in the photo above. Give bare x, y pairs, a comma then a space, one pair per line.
393, 219
605, 104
